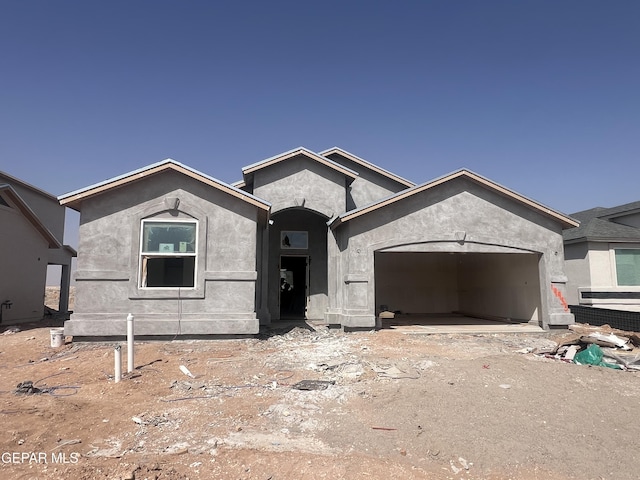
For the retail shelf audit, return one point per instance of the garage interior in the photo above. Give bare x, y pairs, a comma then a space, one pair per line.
458, 289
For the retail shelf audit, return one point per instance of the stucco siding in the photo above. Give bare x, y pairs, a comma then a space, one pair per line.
46, 207
302, 182
600, 267
577, 270
316, 252
108, 275
369, 187
24, 268
464, 214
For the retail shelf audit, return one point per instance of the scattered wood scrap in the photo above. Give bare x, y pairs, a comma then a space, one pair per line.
615, 348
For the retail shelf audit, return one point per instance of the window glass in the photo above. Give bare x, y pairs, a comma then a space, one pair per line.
169, 271
168, 254
628, 266
294, 240
169, 237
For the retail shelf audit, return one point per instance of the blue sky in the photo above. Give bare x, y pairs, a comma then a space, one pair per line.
540, 96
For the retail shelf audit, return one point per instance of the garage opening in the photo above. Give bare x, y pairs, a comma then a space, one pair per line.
457, 288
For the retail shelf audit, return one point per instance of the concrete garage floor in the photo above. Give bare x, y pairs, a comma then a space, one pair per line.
431, 324
454, 323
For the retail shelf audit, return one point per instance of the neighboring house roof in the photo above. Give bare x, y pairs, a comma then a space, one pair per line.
596, 224
299, 151
621, 210
362, 162
25, 210
74, 199
566, 221
24, 184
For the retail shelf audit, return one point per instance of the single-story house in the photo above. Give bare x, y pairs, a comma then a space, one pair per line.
308, 235
602, 258
31, 239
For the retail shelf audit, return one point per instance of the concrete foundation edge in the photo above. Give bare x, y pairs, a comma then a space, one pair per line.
154, 327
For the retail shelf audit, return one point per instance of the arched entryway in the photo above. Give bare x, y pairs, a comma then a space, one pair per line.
298, 265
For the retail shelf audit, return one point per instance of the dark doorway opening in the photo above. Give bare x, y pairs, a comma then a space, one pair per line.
294, 275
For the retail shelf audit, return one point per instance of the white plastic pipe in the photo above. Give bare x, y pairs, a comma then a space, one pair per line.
117, 354
129, 343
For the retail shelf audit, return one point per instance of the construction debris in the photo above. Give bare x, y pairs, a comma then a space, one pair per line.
186, 371
313, 384
27, 388
592, 355
601, 346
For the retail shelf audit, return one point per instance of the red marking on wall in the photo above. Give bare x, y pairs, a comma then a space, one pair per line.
558, 294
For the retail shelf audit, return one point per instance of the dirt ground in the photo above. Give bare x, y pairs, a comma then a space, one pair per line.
394, 406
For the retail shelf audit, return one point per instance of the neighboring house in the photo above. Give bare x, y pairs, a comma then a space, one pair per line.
325, 236
602, 258
31, 238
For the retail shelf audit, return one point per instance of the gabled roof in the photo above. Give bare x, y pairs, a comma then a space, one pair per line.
368, 165
350, 174
74, 199
24, 184
566, 221
30, 215
596, 225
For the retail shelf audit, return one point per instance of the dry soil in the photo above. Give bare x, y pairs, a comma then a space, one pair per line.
394, 406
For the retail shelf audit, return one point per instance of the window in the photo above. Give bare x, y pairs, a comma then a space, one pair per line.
628, 266
294, 239
168, 253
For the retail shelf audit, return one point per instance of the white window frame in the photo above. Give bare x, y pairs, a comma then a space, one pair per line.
142, 255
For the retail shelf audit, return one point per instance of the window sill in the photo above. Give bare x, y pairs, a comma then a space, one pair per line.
166, 293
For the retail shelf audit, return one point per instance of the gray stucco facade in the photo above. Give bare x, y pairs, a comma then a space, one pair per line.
324, 236
221, 296
461, 247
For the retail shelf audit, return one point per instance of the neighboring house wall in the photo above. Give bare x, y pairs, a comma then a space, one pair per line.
601, 287
46, 211
44, 205
600, 268
577, 269
109, 265
603, 258
24, 267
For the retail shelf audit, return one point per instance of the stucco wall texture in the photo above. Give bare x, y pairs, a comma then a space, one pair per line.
428, 221
24, 268
223, 300
458, 246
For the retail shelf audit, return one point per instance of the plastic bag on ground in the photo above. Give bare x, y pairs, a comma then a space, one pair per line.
592, 355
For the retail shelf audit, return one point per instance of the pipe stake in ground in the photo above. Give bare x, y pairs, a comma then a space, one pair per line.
129, 343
